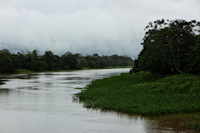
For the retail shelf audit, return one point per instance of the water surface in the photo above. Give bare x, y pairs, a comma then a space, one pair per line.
43, 103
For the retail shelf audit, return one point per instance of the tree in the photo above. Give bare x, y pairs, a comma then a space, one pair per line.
35, 62
81, 61
6, 62
166, 44
21, 60
69, 61
194, 58
55, 63
9, 63
48, 58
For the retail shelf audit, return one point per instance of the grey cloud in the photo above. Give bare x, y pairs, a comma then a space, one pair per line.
85, 26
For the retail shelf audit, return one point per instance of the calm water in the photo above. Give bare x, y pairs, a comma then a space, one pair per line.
43, 103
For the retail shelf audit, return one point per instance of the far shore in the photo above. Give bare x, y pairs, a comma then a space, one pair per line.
26, 71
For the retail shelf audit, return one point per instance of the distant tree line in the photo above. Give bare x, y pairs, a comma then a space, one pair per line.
9, 63
170, 47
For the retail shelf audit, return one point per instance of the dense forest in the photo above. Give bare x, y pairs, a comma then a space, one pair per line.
170, 47
10, 63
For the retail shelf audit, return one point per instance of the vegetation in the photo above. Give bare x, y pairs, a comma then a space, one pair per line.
144, 93
24, 71
165, 79
170, 47
32, 61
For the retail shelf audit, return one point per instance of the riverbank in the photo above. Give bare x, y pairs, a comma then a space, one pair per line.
147, 94
23, 72
27, 71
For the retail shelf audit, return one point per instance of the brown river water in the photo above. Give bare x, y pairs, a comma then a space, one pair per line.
43, 103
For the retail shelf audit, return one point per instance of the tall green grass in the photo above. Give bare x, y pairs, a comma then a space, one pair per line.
144, 94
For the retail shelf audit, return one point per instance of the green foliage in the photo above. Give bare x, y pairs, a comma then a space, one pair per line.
9, 63
166, 45
69, 61
144, 93
48, 59
23, 71
194, 58
35, 63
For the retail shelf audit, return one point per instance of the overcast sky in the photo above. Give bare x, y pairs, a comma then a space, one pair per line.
105, 27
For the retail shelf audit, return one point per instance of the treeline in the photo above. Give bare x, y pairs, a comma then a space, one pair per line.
9, 63
170, 47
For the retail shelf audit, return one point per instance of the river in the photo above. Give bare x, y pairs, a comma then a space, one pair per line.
43, 103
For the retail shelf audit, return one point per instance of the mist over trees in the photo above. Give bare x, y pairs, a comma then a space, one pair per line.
170, 47
10, 62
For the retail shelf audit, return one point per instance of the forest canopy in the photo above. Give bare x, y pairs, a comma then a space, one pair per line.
170, 47
10, 62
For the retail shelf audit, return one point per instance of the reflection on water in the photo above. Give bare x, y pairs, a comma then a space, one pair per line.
43, 103
4, 91
2, 81
29, 88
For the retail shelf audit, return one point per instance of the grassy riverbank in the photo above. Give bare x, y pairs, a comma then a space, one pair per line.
145, 94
